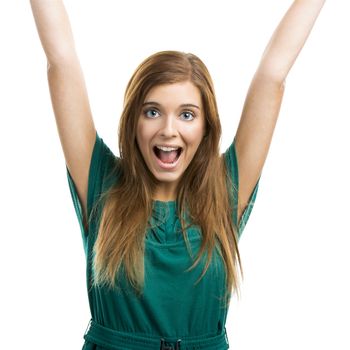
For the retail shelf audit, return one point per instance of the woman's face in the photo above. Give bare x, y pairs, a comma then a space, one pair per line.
169, 131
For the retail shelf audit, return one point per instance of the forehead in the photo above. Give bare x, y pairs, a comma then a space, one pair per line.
175, 94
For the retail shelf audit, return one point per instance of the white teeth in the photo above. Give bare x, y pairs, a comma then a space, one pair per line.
168, 149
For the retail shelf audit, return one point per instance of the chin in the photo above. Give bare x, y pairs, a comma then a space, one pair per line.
167, 177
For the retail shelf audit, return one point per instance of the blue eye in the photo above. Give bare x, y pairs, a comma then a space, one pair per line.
189, 114
149, 110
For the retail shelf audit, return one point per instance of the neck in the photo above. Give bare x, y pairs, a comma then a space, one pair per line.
165, 193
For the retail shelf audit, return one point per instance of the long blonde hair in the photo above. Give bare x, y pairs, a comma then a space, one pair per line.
205, 191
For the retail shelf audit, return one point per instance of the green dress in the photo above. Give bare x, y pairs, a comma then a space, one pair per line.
171, 306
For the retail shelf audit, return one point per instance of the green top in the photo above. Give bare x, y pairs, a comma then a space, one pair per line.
171, 305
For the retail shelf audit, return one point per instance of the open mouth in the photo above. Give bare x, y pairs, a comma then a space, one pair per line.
167, 155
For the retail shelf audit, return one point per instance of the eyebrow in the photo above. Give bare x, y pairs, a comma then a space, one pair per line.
158, 104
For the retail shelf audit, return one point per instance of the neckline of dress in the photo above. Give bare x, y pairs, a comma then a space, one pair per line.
159, 203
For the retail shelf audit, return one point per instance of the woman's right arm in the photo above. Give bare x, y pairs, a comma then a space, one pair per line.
68, 91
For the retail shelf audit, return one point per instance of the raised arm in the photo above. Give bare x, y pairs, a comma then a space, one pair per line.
263, 101
54, 30
68, 92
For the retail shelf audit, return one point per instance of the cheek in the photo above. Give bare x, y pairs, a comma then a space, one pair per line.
143, 138
138, 140
144, 131
140, 135
194, 136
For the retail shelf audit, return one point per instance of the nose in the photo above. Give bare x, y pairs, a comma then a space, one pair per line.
168, 128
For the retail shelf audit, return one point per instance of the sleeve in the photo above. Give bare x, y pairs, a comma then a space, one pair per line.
230, 157
102, 166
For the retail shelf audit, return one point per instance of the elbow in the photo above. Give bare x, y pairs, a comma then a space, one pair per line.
271, 71
61, 60
61, 55
271, 78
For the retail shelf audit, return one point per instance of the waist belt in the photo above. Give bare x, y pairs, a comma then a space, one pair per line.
115, 340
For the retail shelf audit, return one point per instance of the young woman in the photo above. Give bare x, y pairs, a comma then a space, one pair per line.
161, 223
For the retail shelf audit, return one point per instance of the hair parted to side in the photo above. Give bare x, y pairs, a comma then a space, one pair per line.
203, 192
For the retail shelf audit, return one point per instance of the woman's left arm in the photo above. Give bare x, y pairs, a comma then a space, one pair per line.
263, 101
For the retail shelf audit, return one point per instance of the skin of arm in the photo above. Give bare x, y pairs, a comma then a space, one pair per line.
264, 97
54, 29
68, 92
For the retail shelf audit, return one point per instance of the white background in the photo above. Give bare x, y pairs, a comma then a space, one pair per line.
295, 247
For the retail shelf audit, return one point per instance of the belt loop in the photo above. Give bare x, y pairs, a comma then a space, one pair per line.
169, 347
163, 346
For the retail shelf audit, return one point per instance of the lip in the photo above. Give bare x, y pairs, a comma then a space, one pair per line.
167, 166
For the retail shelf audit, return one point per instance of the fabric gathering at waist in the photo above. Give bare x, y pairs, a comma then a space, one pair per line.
116, 340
